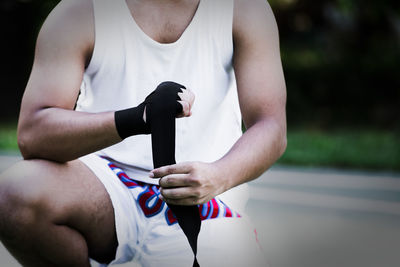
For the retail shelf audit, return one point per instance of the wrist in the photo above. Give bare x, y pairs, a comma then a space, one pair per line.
129, 122
223, 174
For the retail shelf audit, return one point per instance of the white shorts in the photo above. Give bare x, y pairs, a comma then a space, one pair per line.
148, 233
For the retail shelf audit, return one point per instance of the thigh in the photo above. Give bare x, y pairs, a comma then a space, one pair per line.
66, 194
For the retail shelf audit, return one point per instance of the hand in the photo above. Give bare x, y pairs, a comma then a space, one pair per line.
189, 183
187, 101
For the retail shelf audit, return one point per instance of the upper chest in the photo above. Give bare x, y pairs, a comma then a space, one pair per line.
163, 21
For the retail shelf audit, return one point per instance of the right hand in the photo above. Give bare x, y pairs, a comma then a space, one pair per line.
187, 100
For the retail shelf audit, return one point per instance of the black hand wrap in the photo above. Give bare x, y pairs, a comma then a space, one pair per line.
161, 112
130, 121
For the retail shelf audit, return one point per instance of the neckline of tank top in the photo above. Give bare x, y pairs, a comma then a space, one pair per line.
155, 43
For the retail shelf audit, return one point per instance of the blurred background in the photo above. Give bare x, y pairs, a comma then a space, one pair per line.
333, 199
340, 58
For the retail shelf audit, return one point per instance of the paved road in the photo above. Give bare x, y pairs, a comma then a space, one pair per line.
318, 218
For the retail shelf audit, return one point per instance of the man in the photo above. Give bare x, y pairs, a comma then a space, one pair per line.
78, 194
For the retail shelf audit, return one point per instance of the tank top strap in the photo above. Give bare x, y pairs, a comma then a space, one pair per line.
218, 22
109, 30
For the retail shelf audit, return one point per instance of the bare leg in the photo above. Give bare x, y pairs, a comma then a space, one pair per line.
56, 214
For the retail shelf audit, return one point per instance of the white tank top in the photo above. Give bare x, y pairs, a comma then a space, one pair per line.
127, 65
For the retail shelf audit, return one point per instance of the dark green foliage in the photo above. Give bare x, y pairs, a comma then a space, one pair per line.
341, 62
20, 21
356, 149
340, 59
8, 137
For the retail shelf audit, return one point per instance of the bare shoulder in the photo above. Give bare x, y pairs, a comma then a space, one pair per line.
63, 49
253, 20
69, 26
257, 62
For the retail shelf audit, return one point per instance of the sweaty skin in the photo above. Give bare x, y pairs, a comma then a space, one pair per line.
62, 205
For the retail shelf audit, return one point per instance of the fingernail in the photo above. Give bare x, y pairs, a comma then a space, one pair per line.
151, 175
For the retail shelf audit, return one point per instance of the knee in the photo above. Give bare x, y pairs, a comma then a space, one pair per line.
20, 202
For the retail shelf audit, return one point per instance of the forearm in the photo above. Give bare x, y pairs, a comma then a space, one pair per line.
62, 135
258, 148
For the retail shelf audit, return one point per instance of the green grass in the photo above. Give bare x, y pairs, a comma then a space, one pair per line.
355, 149
8, 137
359, 149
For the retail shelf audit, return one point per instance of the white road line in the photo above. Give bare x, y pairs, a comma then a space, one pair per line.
328, 180
324, 201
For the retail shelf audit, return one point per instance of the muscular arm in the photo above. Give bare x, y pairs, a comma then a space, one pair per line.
262, 93
48, 127
262, 97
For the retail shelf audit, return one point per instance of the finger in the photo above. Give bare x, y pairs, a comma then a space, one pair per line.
188, 96
174, 180
180, 168
185, 109
192, 97
180, 92
185, 95
177, 193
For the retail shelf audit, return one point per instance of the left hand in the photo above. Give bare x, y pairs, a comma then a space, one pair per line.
188, 183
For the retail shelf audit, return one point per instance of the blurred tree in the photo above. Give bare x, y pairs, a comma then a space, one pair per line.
341, 62
340, 57
20, 21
